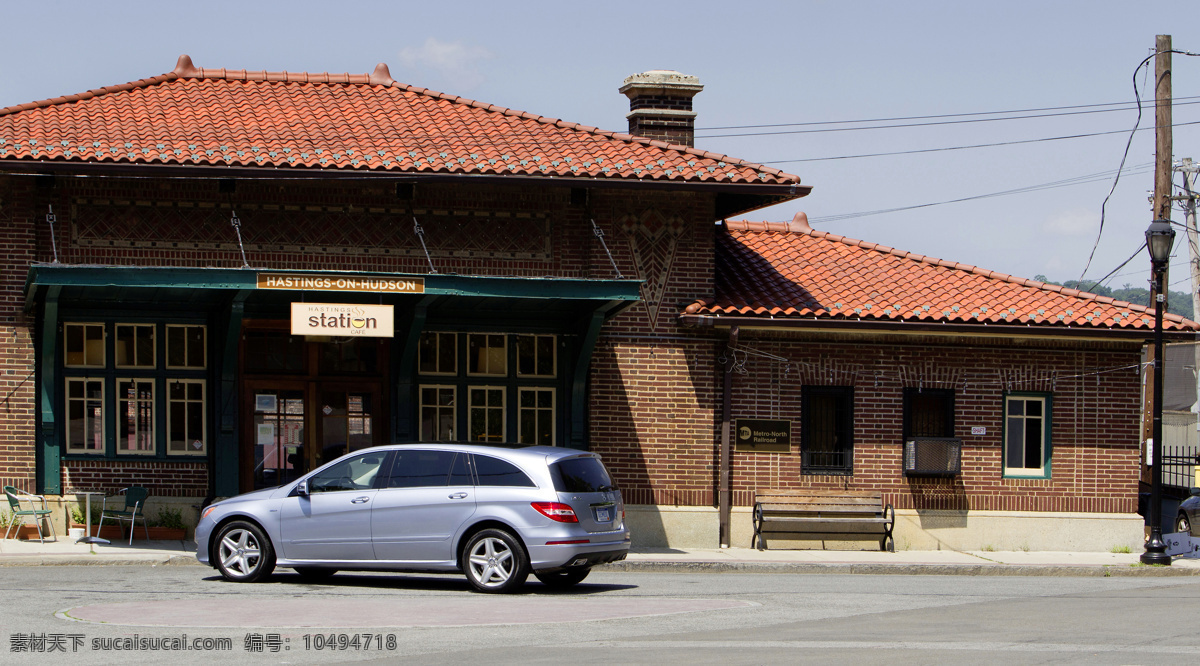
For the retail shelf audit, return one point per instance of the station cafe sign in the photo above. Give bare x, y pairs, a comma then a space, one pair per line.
342, 319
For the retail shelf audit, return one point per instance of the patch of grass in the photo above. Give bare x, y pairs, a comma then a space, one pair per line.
1025, 547
989, 548
1125, 550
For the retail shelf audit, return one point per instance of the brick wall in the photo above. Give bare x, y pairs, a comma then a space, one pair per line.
1094, 416
17, 380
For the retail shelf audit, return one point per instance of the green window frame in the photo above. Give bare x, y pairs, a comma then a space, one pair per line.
1028, 448
438, 353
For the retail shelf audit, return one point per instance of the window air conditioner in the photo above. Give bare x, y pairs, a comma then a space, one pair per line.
933, 456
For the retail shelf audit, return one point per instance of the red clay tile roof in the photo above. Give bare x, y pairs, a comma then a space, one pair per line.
208, 117
788, 269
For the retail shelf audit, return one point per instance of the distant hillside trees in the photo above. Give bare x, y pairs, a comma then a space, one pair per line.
1178, 302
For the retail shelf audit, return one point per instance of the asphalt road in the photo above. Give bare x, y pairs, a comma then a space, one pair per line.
86, 614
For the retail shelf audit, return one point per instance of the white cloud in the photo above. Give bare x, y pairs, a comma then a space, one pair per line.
454, 62
1077, 222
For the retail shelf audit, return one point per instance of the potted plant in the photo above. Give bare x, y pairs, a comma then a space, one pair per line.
168, 525
111, 530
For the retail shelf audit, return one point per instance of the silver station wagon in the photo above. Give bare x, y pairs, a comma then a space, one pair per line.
495, 514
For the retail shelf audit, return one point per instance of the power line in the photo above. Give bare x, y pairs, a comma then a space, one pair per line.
1077, 180
977, 145
910, 125
1128, 107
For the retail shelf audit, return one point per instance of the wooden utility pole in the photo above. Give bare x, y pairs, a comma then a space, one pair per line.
1162, 201
1162, 128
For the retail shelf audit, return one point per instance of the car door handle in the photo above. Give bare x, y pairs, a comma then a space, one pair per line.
359, 500
457, 495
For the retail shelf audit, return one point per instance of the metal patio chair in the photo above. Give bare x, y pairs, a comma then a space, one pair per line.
15, 497
133, 509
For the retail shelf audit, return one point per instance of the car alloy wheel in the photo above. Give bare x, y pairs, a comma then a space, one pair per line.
563, 579
495, 561
1182, 524
244, 553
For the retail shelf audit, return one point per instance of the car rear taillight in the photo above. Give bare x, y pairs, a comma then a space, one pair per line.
556, 511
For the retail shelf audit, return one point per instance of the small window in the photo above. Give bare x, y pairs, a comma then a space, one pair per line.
135, 345
357, 473
135, 416
535, 416
535, 356
928, 413
487, 355
186, 347
84, 345
827, 429
423, 469
438, 353
438, 413
85, 416
185, 417
1027, 435
486, 414
496, 472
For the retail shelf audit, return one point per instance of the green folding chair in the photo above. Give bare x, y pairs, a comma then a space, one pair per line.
15, 497
133, 509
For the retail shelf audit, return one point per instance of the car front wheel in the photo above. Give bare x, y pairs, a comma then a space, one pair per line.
563, 579
244, 553
495, 561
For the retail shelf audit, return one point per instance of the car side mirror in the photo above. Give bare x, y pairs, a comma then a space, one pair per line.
302, 488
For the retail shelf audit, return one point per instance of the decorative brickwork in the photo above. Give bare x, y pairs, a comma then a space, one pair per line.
164, 479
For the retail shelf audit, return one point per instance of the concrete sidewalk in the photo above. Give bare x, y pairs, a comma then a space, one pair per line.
65, 551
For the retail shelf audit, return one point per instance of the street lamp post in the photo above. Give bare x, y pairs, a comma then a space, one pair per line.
1159, 239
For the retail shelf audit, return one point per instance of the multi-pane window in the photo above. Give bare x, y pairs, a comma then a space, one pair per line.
186, 347
485, 414
185, 417
1027, 435
535, 356
827, 429
119, 377
135, 416
84, 345
135, 345
928, 413
85, 416
535, 416
438, 353
487, 354
438, 413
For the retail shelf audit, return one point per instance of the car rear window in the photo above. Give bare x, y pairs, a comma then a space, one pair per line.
581, 475
495, 472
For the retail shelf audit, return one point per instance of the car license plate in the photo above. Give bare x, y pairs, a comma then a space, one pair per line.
603, 514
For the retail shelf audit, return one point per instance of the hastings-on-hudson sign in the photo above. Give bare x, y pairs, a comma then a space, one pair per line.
334, 282
342, 319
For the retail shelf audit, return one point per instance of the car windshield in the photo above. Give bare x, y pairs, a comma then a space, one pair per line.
581, 475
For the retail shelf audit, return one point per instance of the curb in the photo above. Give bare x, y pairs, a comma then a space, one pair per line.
1102, 571
95, 561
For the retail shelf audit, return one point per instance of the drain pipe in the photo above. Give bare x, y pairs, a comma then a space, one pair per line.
723, 490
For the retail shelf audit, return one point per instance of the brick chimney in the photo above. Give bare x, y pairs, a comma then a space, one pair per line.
660, 105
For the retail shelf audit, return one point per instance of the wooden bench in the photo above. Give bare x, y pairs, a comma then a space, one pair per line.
826, 515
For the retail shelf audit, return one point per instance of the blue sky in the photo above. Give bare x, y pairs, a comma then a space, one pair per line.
761, 63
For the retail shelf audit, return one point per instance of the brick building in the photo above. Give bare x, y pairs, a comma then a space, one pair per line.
215, 280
